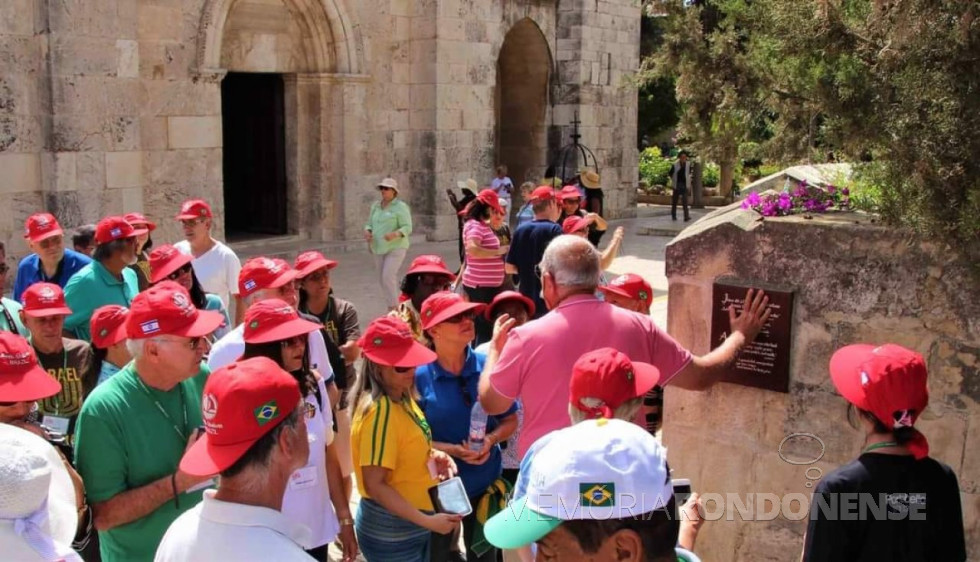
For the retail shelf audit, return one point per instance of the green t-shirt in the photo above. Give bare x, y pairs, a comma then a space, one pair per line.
383, 220
13, 310
93, 286
123, 441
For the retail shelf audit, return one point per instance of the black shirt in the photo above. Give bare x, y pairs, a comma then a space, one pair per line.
526, 250
911, 512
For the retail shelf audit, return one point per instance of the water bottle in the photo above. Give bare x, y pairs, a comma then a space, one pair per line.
478, 427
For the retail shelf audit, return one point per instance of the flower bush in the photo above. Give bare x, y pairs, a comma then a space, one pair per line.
805, 199
654, 167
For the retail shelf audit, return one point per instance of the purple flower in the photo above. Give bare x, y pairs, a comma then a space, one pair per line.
800, 192
753, 199
769, 209
785, 203
831, 189
845, 192
811, 205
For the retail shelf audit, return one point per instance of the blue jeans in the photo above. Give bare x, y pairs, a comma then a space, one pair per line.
385, 537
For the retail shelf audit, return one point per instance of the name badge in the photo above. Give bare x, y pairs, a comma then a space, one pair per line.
56, 424
303, 478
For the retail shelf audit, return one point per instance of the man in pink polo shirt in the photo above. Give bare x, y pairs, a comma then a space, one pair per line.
532, 363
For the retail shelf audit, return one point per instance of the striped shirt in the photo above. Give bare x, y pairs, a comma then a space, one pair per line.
390, 435
482, 272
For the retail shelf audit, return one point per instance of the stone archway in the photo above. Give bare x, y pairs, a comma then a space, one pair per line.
523, 74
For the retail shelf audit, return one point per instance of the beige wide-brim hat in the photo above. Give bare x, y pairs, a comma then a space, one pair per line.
469, 184
32, 471
390, 183
589, 179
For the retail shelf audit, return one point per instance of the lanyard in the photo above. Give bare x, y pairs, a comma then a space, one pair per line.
183, 405
881, 445
407, 403
10, 320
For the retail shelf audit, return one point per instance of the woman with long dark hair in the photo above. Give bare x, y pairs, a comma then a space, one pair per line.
394, 461
168, 263
315, 496
894, 484
483, 273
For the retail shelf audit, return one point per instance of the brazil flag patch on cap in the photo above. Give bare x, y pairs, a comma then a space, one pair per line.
597, 494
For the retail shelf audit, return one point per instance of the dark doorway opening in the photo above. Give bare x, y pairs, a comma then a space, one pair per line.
253, 128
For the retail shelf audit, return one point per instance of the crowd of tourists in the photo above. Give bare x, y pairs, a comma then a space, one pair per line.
167, 402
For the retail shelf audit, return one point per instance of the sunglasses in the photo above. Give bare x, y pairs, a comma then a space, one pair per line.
468, 315
190, 223
403, 370
382, 188
465, 389
184, 270
318, 276
52, 242
294, 341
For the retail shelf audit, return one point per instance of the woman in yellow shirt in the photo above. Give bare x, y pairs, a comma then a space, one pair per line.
394, 462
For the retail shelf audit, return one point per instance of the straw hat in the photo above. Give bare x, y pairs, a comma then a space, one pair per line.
35, 491
469, 184
589, 179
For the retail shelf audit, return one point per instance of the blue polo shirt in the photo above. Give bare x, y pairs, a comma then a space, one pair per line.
29, 271
93, 286
526, 250
448, 414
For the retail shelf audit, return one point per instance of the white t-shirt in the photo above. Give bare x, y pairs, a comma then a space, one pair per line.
228, 349
217, 269
498, 185
307, 497
217, 530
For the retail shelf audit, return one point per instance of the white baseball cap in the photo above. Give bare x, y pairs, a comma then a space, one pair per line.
594, 470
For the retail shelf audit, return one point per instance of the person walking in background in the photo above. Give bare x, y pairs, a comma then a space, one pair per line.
504, 188
167, 263
468, 190
426, 275
49, 261
215, 264
680, 183
109, 353
83, 239
108, 279
9, 308
447, 389
483, 272
529, 242
886, 390
525, 214
387, 230
143, 245
394, 461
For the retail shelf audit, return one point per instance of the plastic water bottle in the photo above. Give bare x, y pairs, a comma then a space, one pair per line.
478, 427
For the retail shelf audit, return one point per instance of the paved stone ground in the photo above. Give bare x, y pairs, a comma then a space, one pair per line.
642, 252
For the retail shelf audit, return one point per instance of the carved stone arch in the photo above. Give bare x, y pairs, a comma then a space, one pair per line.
332, 44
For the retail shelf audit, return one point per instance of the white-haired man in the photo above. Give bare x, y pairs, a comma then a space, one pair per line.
134, 428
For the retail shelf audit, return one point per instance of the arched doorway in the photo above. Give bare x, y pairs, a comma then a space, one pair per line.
523, 75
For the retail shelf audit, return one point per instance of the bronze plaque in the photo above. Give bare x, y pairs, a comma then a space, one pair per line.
765, 362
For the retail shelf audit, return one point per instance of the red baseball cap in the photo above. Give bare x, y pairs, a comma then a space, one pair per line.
889, 381
389, 341
194, 209
508, 296
569, 192
165, 260
429, 263
574, 223
443, 305
166, 309
241, 403
110, 229
21, 378
543, 193
273, 320
630, 286
41, 226
610, 376
264, 273
489, 197
44, 299
308, 262
108, 325
139, 218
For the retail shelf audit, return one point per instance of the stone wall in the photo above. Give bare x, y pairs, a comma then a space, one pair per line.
855, 281
108, 106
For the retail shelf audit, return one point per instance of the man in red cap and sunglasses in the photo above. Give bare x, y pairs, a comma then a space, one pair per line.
108, 279
255, 438
135, 427
49, 260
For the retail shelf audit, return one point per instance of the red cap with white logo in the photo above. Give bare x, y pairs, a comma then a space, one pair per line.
166, 309
308, 262
110, 229
165, 260
241, 403
44, 299
264, 273
273, 320
194, 209
41, 226
108, 325
21, 378
610, 377
389, 341
630, 286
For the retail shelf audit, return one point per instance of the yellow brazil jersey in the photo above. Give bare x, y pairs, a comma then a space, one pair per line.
393, 435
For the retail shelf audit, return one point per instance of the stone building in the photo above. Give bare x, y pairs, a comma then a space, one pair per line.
284, 113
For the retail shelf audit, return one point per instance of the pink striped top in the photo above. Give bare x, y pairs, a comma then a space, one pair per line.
482, 272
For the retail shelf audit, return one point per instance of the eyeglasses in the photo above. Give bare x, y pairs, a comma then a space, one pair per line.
462, 316
294, 341
191, 223
318, 276
403, 370
52, 242
537, 271
184, 270
191, 343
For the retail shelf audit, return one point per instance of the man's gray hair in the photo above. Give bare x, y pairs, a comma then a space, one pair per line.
572, 261
626, 411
